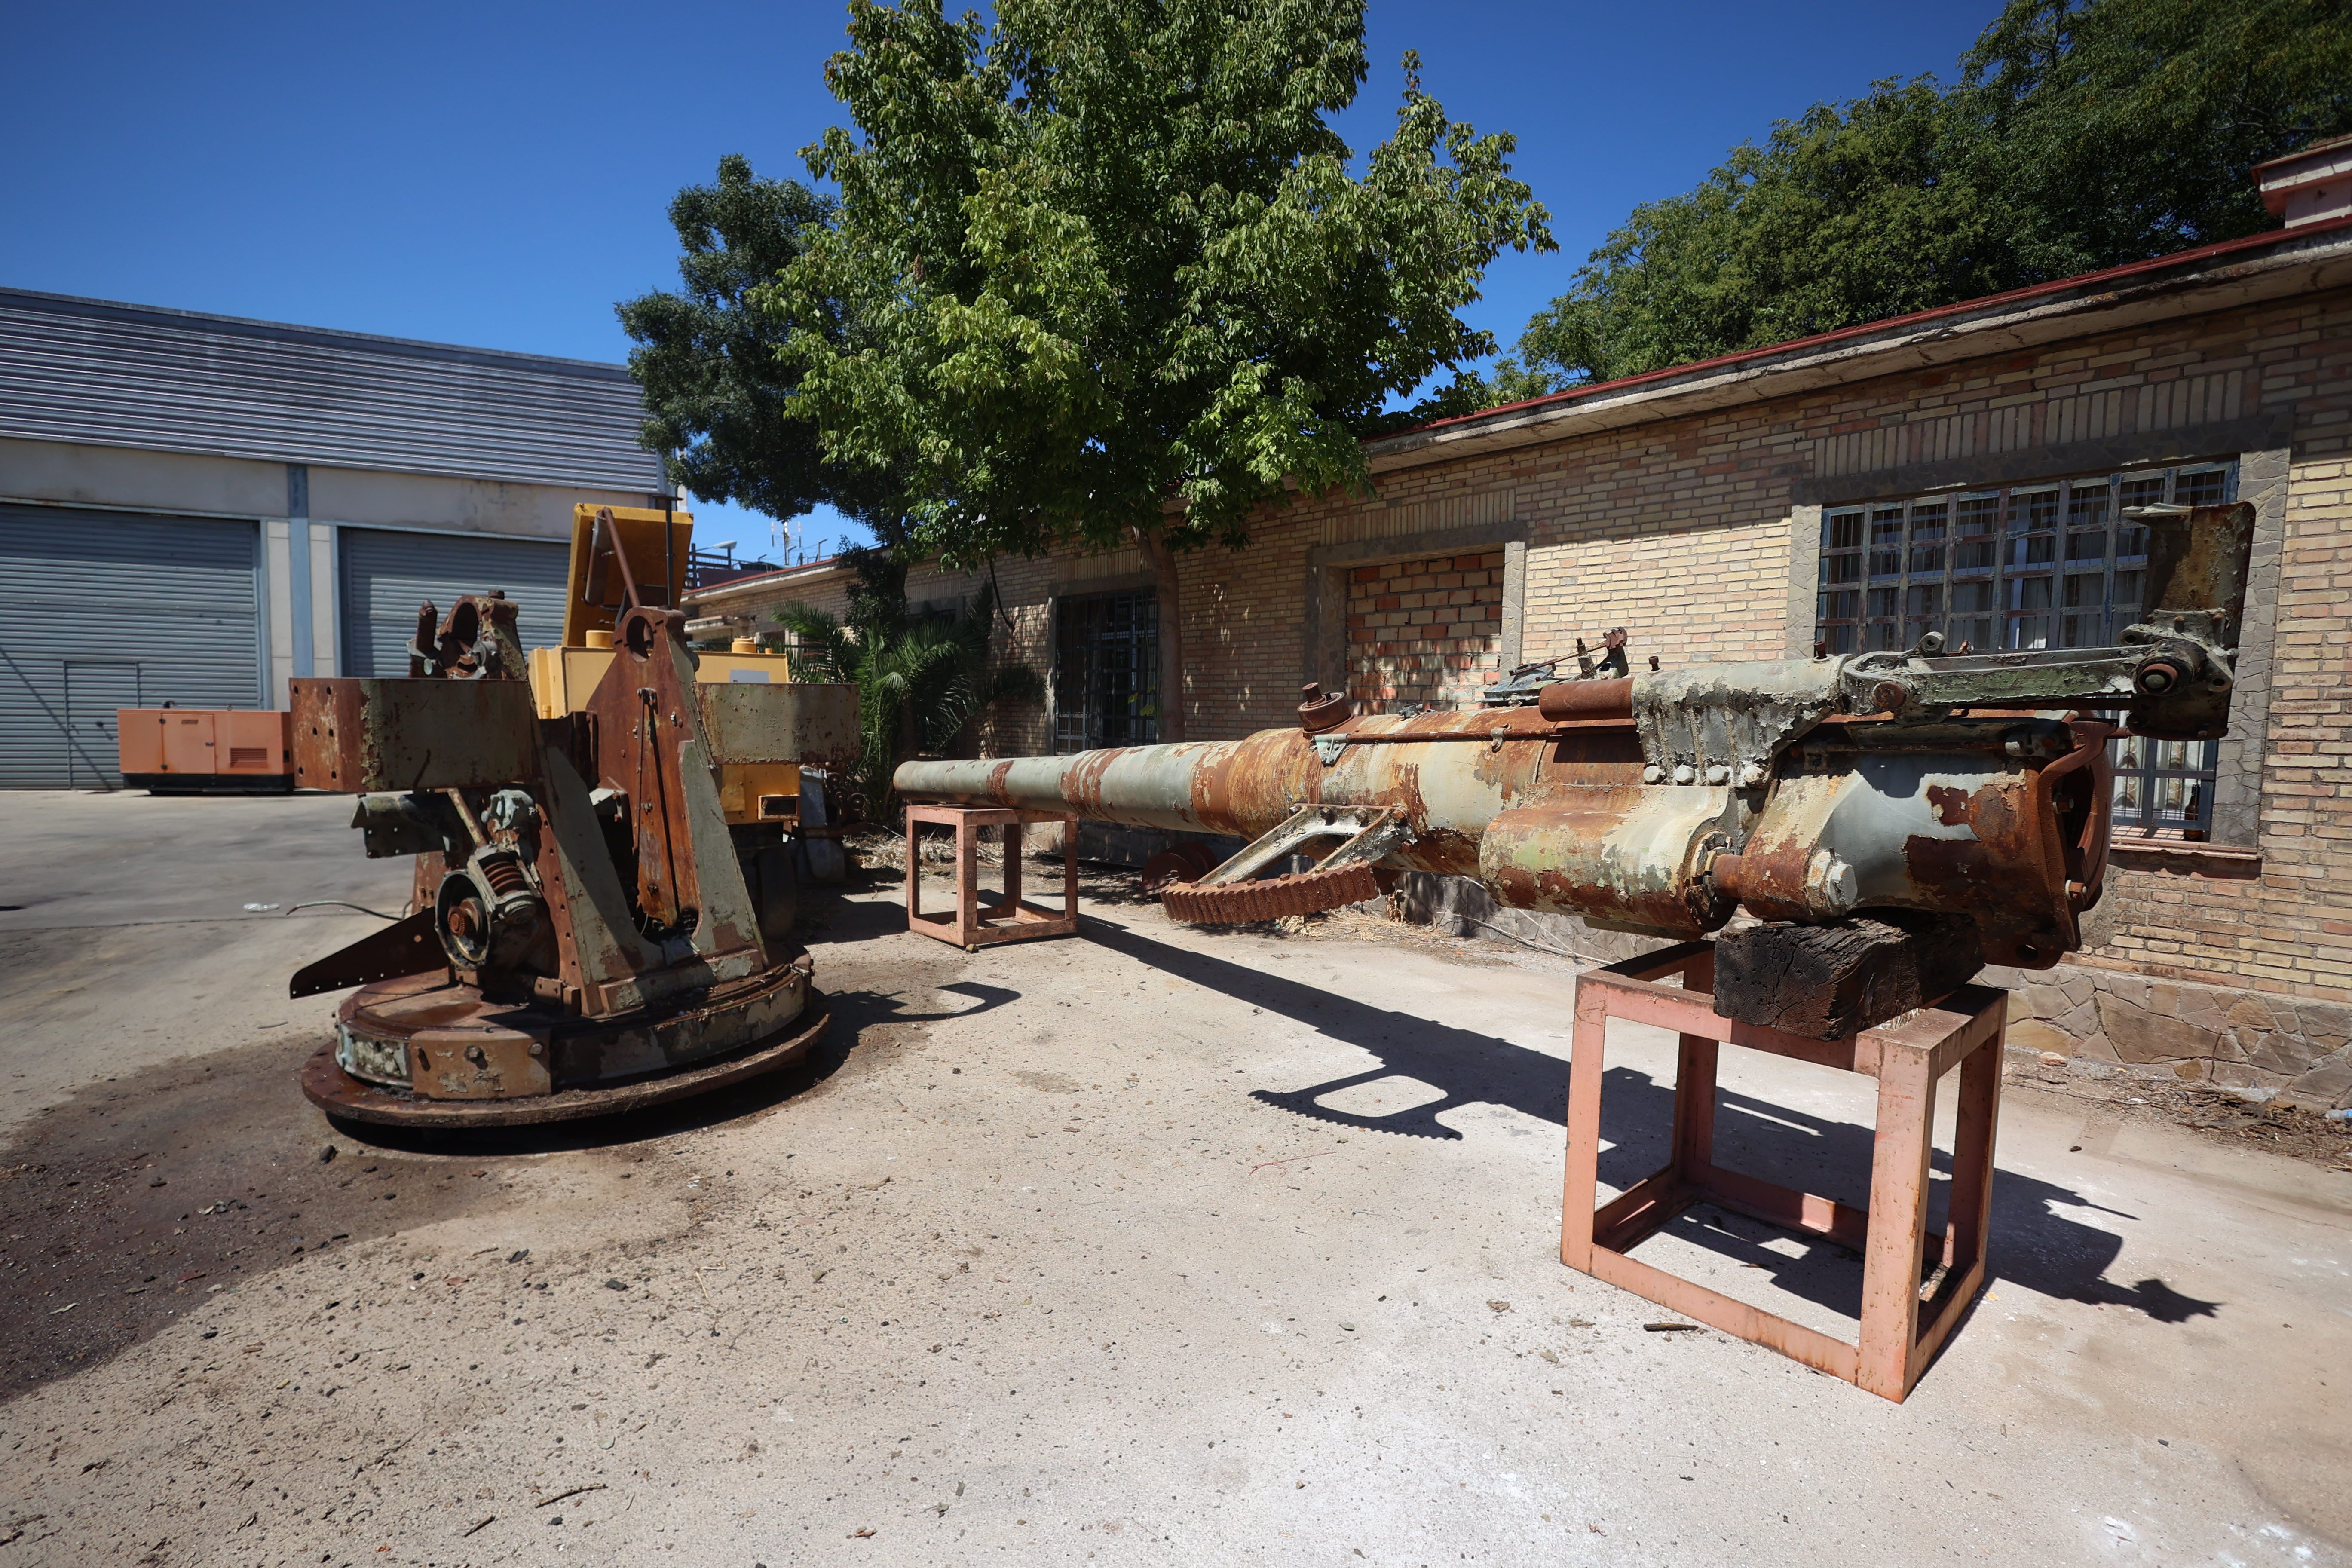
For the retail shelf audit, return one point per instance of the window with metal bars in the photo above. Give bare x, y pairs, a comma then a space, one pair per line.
2054, 563
1107, 671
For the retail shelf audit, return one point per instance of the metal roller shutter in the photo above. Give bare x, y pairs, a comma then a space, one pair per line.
101, 611
387, 574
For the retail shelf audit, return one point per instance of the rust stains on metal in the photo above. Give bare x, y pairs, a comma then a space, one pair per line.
404, 947
1564, 700
1317, 713
641, 708
356, 735
604, 949
338, 1094
1270, 898
1625, 857
2200, 565
1737, 785
807, 722
2077, 790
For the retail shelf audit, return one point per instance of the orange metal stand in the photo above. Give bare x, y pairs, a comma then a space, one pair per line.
972, 927
1906, 1310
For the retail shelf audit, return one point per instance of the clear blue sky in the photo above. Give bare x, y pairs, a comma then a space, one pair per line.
496, 175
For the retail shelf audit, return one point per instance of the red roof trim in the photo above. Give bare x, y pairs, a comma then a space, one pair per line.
2037, 290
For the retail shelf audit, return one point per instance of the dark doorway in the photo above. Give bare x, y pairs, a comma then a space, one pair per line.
1107, 671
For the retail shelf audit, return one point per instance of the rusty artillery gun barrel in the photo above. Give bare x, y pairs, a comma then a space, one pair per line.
1958, 806
1957, 819
1449, 773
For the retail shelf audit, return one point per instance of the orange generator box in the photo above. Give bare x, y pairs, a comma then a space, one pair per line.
183, 751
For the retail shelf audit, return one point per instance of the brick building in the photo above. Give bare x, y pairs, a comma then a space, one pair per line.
1964, 469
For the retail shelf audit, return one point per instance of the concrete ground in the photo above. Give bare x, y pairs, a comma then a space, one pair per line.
1159, 1245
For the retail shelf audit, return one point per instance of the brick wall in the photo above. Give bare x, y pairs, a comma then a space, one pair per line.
1681, 532
1426, 632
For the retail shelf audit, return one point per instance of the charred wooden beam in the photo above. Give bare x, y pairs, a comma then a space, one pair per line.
1828, 982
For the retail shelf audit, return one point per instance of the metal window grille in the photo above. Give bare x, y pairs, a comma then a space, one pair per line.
2049, 564
1107, 671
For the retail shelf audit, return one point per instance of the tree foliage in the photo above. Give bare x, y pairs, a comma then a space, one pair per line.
716, 393
922, 677
2125, 128
1108, 254
2081, 134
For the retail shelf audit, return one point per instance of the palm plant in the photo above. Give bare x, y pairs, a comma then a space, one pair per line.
922, 677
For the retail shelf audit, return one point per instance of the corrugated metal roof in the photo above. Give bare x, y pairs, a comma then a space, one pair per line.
141, 377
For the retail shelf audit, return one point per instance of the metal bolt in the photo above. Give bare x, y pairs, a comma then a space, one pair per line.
1651, 773
1752, 777
1718, 774
1889, 695
1684, 773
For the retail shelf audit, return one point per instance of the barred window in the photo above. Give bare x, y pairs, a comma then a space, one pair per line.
1107, 671
2042, 565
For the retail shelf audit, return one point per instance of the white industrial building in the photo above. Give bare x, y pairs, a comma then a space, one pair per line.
197, 509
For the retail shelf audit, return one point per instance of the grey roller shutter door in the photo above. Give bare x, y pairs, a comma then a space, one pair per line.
387, 574
103, 610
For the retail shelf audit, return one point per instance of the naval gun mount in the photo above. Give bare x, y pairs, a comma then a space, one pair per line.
1891, 821
588, 934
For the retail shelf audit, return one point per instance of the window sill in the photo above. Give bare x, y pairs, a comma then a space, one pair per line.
2183, 858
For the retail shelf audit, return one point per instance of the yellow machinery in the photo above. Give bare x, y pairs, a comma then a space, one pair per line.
563, 677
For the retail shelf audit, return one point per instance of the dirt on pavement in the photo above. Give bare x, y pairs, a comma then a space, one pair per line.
127, 1200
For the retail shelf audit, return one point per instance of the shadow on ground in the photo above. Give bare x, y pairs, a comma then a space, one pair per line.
2035, 1244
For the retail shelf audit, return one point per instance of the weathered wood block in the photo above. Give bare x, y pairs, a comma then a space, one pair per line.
1828, 982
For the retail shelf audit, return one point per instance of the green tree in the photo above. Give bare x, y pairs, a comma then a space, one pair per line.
922, 677
2124, 129
1108, 254
717, 394
2080, 135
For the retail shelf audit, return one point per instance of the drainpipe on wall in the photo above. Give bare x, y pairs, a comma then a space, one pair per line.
1171, 633
298, 575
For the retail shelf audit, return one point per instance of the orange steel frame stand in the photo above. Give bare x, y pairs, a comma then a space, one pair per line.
1907, 1313
969, 927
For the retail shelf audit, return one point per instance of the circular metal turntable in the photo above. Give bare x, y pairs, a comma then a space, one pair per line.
447, 1019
